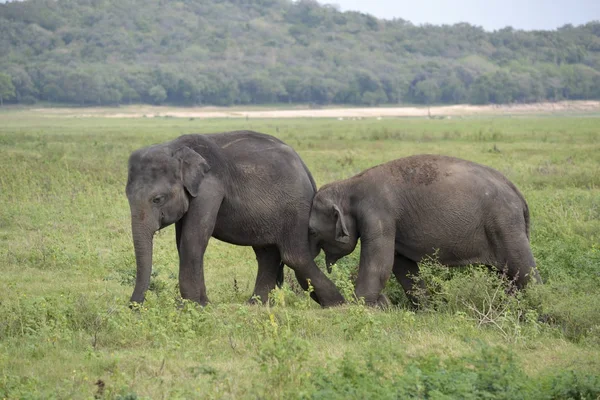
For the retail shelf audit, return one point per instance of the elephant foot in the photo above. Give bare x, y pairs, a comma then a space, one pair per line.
135, 306
383, 302
256, 300
202, 302
331, 301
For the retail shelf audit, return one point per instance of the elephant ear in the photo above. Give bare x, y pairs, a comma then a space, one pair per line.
341, 232
193, 169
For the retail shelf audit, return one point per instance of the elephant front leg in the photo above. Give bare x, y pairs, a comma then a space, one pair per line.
196, 229
191, 284
300, 260
375, 268
191, 269
325, 292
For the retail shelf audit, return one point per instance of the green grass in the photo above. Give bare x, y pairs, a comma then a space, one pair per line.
67, 270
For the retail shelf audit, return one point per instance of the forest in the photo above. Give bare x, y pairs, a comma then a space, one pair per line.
236, 52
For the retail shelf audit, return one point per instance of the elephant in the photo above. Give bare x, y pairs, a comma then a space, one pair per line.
241, 187
418, 206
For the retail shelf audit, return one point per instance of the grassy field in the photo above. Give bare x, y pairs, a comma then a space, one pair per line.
67, 271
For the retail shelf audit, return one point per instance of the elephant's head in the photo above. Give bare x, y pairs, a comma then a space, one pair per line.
159, 185
332, 225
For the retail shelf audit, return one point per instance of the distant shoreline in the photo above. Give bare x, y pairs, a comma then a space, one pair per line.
300, 111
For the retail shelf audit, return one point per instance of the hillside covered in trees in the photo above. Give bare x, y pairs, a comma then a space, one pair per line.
223, 52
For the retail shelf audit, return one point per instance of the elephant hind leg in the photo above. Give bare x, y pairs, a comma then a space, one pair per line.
519, 262
405, 270
270, 272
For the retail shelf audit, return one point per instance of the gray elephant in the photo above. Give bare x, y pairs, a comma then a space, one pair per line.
242, 187
411, 207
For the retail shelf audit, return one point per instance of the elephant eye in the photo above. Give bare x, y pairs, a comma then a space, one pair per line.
158, 199
312, 232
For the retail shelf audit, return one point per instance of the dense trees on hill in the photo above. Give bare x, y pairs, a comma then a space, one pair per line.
225, 52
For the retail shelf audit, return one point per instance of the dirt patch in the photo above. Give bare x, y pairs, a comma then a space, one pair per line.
437, 112
416, 170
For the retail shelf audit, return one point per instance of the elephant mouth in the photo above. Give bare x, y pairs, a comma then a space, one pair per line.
162, 223
165, 222
330, 259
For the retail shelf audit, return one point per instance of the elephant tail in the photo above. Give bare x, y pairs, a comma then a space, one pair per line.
280, 275
526, 216
525, 206
525, 210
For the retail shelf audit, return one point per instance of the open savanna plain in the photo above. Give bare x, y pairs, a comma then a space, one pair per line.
67, 269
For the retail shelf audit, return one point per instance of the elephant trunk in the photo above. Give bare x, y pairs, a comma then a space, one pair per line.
142, 243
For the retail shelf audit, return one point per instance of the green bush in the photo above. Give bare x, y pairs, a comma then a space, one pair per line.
479, 294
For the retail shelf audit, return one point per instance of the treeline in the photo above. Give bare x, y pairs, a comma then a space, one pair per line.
224, 52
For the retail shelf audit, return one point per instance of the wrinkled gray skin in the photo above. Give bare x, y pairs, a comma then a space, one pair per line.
406, 209
244, 188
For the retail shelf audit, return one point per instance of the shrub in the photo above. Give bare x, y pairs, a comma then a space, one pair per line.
487, 298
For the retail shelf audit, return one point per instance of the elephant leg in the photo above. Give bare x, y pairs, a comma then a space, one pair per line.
520, 264
304, 285
269, 271
196, 229
376, 263
299, 259
404, 271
